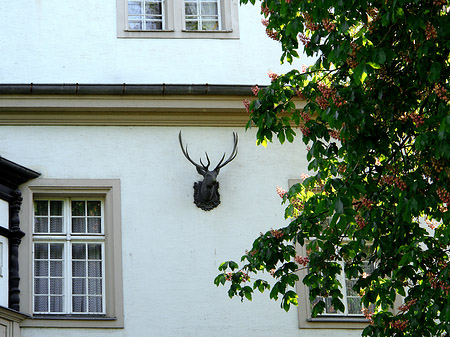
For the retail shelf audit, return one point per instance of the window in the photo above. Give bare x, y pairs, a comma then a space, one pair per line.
69, 259
351, 318
177, 19
351, 299
71, 274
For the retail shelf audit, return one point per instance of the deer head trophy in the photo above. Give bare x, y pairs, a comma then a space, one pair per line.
206, 192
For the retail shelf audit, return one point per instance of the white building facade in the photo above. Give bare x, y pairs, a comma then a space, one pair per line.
104, 238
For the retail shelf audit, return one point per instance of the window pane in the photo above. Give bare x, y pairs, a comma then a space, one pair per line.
210, 25
78, 225
56, 268
94, 269
56, 225
354, 305
56, 286
40, 303
41, 207
79, 268
56, 207
41, 286
153, 25
134, 7
94, 208
135, 25
95, 286
40, 268
153, 8
190, 8
41, 225
78, 251
78, 208
56, 251
95, 304
94, 225
79, 304
79, 286
191, 25
209, 8
56, 304
41, 251
94, 252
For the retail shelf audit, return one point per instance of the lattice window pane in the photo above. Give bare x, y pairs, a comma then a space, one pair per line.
79, 286
40, 268
41, 251
40, 225
95, 304
95, 287
40, 303
41, 208
78, 251
56, 304
56, 286
41, 286
79, 304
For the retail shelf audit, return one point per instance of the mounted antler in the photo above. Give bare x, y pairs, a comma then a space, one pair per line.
206, 194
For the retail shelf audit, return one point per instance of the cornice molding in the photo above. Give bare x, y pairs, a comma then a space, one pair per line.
101, 105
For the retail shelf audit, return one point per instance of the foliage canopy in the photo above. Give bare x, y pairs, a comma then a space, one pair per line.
377, 126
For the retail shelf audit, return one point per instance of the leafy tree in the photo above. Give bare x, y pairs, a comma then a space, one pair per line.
377, 126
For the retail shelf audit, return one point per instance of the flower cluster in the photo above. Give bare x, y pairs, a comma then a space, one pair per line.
432, 224
276, 233
272, 34
305, 130
328, 25
265, 22
304, 39
438, 284
405, 307
367, 203
342, 167
306, 117
417, 119
247, 105
272, 76
302, 260
309, 22
266, 11
430, 31
399, 324
444, 195
439, 2
391, 180
367, 314
334, 134
441, 92
360, 221
281, 192
255, 90
327, 93
240, 274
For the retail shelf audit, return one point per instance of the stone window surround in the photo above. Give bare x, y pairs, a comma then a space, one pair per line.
109, 189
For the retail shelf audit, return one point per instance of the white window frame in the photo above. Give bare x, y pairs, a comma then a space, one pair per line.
107, 190
67, 238
174, 22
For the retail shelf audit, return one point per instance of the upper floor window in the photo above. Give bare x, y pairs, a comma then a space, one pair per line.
177, 19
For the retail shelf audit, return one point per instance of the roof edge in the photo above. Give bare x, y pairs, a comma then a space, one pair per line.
124, 89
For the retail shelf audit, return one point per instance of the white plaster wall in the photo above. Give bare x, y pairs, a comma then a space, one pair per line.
171, 249
62, 41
